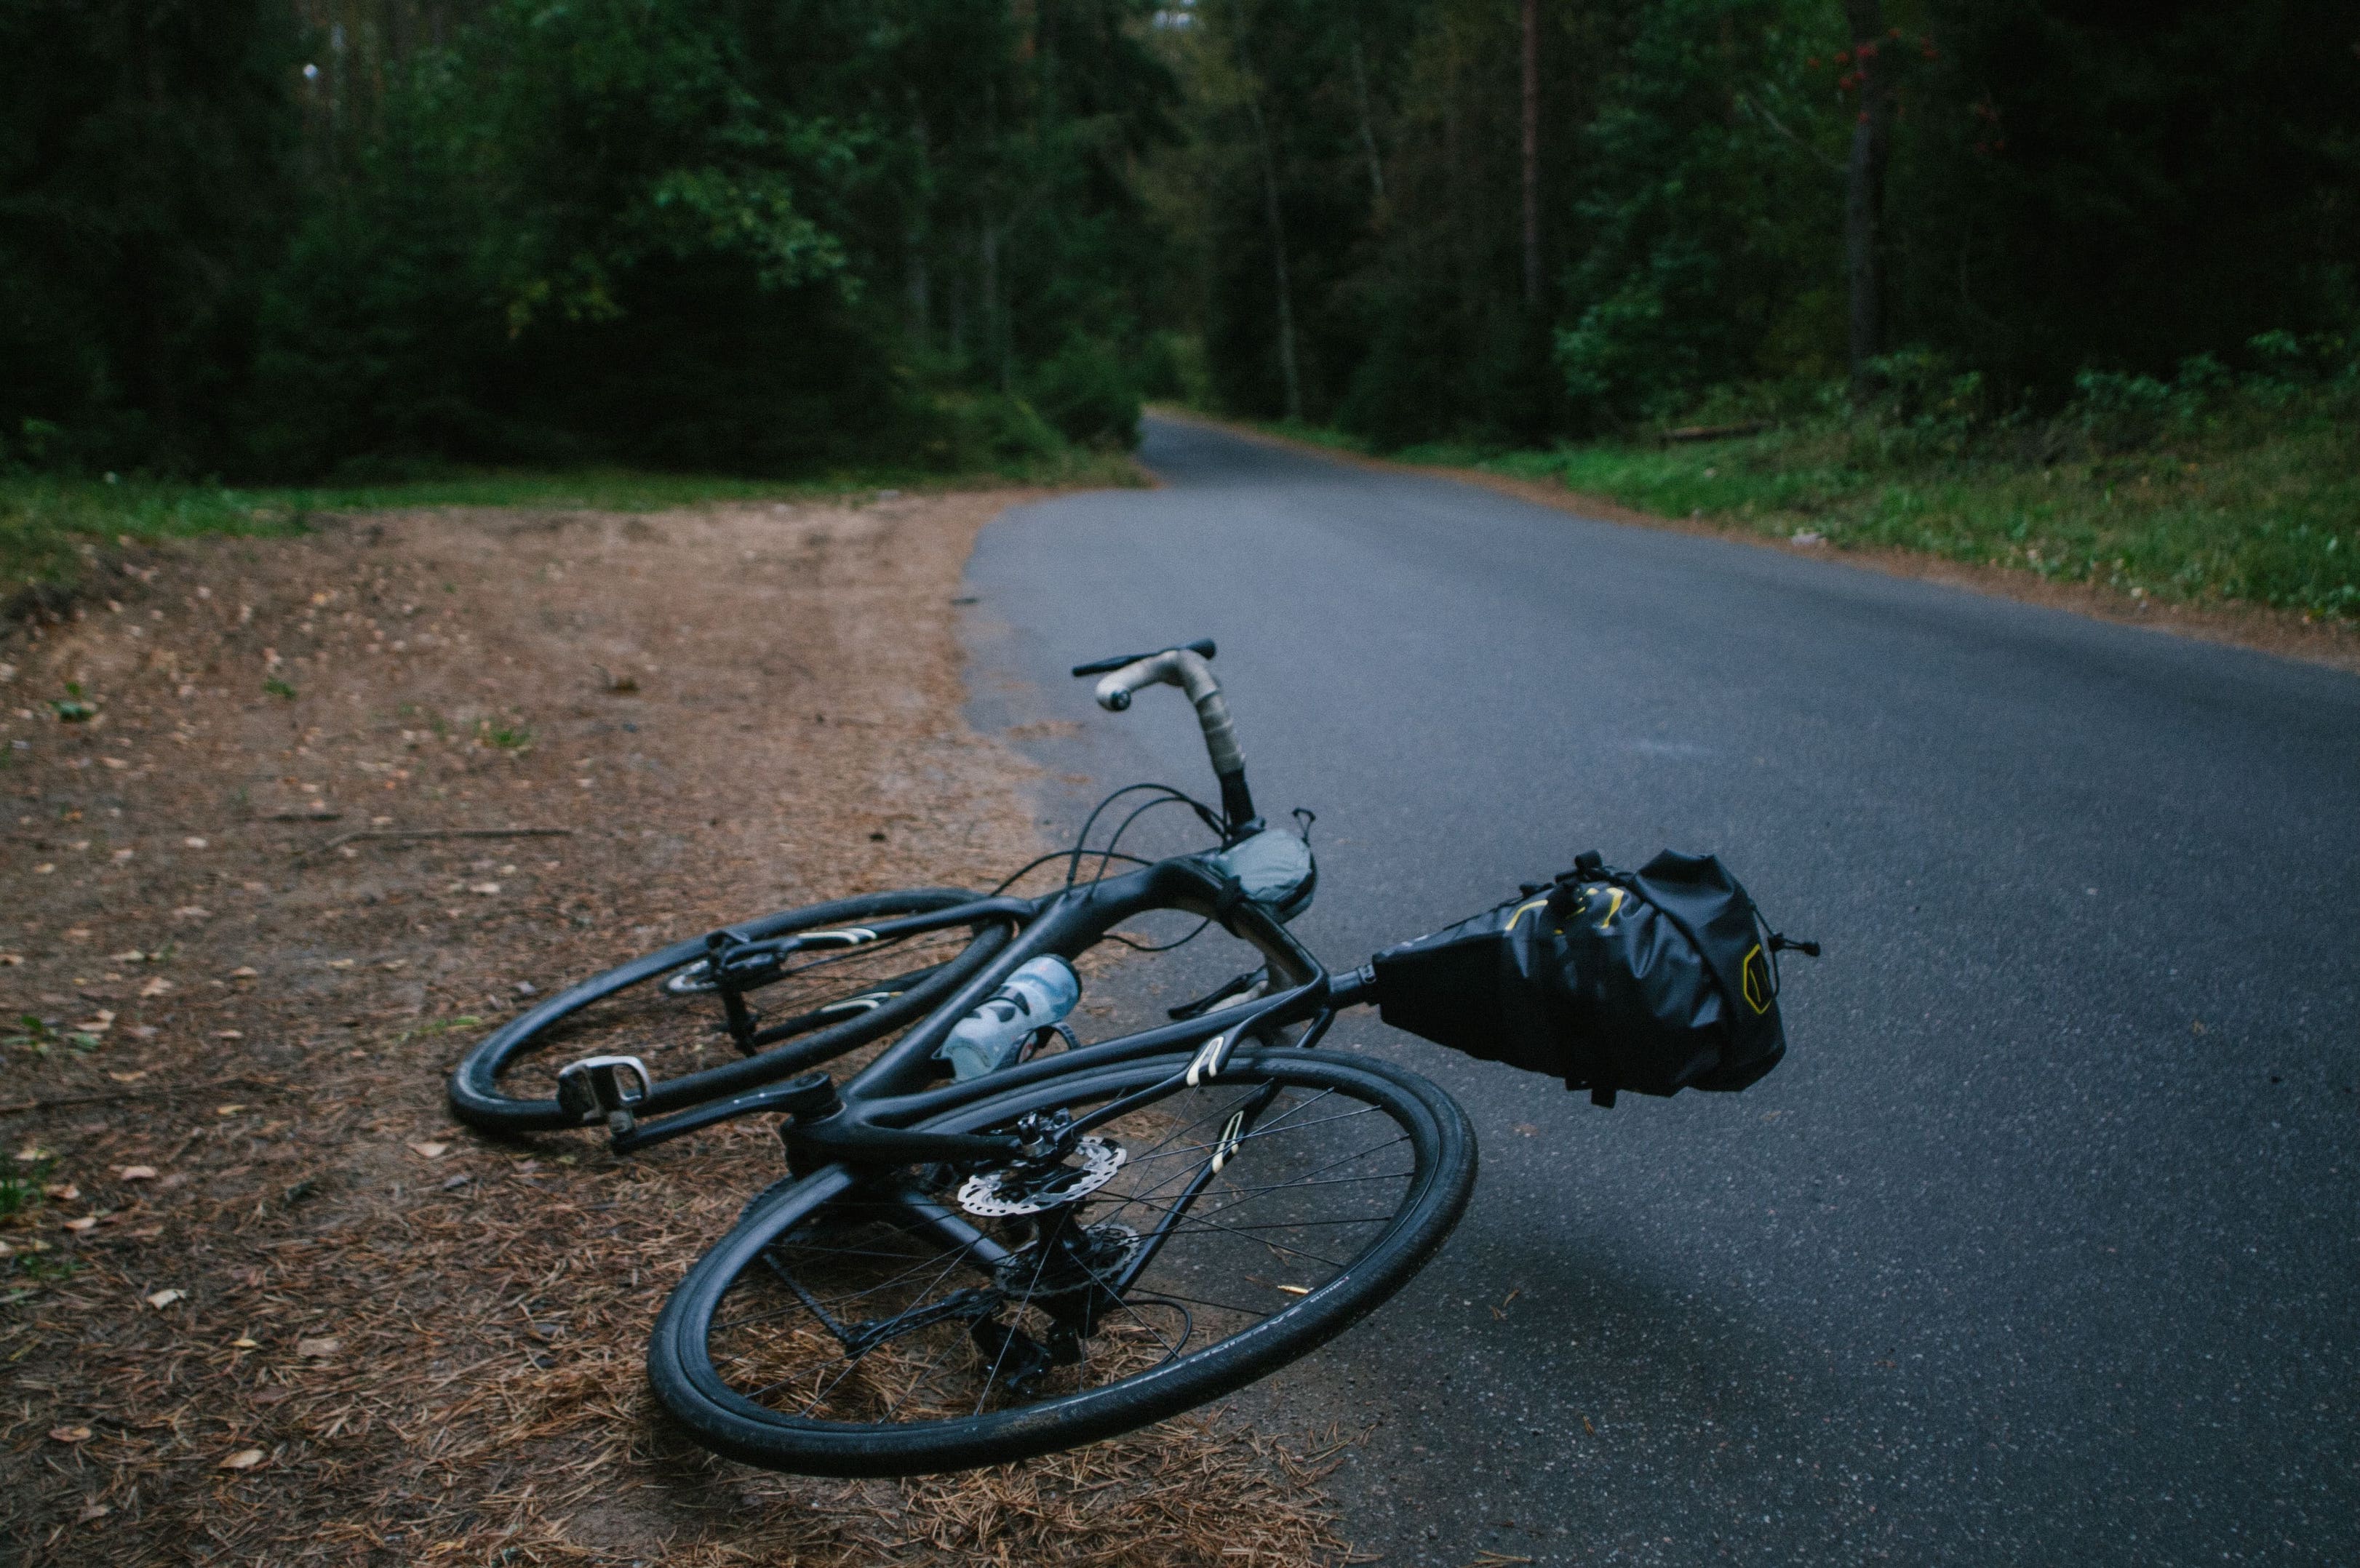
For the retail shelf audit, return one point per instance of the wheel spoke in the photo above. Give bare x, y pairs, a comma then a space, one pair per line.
895, 1338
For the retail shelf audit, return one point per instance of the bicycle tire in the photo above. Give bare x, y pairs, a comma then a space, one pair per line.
479, 1097
716, 1406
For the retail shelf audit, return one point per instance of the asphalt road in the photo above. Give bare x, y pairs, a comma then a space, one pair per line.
2039, 1248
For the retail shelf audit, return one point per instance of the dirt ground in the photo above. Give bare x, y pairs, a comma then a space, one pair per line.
262, 1301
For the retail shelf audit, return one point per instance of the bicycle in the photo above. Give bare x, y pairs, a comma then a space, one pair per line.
1058, 1251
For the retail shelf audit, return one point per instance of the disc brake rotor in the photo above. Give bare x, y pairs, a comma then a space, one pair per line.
1019, 1190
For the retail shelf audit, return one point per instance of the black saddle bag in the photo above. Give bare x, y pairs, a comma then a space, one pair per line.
1654, 981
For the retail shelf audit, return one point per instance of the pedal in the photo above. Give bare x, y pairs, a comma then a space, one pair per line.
593, 1089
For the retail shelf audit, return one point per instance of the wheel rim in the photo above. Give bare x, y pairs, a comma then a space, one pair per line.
853, 1317
822, 997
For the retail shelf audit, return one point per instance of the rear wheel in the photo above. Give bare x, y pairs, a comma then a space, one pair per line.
792, 1009
926, 1319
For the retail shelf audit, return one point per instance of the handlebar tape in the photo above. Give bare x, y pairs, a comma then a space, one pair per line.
1099, 667
1185, 668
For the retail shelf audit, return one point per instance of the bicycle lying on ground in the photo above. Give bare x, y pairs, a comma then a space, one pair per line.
1074, 1243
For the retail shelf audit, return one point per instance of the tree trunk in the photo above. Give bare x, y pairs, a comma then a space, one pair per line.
995, 329
1532, 154
1286, 368
1864, 188
1368, 128
913, 258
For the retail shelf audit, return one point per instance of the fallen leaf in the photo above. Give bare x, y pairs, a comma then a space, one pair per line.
486, 888
45, 868
98, 1024
92, 1511
68, 1435
133, 1076
229, 1034
242, 1343
156, 988
83, 1224
198, 842
244, 971
163, 1299
318, 1349
62, 1191
12, 959
130, 956
31, 1152
117, 762
193, 912
244, 1459
432, 1150
137, 1174
340, 963
229, 1110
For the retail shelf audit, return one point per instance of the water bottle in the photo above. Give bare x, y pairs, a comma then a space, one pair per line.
1041, 992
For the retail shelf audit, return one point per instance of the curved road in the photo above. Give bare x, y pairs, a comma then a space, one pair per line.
2038, 1248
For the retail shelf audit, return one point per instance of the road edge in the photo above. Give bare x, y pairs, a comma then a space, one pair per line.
2282, 634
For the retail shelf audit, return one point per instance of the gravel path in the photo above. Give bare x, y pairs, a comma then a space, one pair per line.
262, 1302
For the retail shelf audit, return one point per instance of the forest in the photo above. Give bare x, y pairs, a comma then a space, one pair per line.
313, 240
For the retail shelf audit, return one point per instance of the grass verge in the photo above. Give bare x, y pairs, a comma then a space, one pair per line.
2263, 510
50, 525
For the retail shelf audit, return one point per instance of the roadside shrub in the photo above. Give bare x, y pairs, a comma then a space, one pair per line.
985, 431
1088, 393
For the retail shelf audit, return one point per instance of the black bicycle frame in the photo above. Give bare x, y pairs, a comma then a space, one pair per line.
866, 1120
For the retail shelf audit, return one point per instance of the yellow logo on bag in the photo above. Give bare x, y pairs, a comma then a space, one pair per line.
1756, 969
1589, 895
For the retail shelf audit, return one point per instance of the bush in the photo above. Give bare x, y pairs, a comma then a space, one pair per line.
986, 430
1087, 393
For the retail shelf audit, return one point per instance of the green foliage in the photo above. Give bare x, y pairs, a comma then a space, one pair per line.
2072, 186
504, 737
51, 527
1706, 228
70, 708
2056, 140
34, 1035
1089, 394
149, 159
18, 1194
2233, 489
773, 239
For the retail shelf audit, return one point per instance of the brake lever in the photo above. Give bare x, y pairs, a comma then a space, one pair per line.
1202, 647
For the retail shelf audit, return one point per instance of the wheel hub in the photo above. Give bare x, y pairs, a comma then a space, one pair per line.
1095, 1255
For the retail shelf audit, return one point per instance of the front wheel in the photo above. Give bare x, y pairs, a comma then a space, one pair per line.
810, 1004
904, 1321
